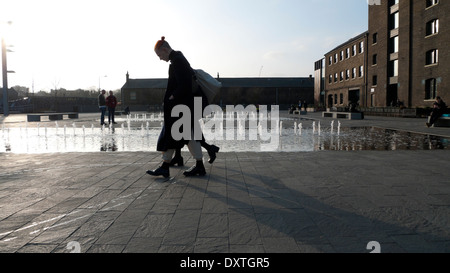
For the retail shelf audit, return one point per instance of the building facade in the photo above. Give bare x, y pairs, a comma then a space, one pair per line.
408, 53
402, 60
148, 94
345, 73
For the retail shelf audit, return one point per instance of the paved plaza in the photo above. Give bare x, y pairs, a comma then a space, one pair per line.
249, 202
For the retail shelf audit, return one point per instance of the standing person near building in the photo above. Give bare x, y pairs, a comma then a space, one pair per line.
102, 106
111, 102
439, 108
178, 92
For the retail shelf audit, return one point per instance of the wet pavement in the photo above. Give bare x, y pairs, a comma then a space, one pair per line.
249, 202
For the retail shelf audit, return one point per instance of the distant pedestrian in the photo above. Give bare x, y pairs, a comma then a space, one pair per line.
305, 105
111, 102
102, 106
439, 108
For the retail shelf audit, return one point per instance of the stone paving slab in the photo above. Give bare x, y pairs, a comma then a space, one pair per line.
252, 202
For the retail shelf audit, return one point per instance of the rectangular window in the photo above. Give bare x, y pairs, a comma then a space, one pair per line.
375, 38
432, 3
393, 68
347, 53
354, 72
432, 57
430, 89
374, 80
133, 95
393, 45
361, 71
374, 59
393, 2
432, 27
394, 21
353, 50
347, 74
361, 47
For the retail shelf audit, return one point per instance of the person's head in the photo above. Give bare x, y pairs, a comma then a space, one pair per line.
103, 92
111, 93
163, 49
438, 98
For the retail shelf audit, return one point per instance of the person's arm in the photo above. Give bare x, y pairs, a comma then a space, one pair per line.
183, 76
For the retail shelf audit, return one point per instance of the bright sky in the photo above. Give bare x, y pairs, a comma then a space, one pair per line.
75, 44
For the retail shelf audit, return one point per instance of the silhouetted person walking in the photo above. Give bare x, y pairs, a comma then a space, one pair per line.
178, 92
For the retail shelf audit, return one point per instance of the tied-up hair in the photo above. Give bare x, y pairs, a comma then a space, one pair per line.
162, 43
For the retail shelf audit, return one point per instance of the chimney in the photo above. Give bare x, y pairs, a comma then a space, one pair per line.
128, 76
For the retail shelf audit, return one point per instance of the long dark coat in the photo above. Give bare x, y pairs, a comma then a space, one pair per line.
180, 86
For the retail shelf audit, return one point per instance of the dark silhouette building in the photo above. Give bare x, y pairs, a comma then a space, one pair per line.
148, 94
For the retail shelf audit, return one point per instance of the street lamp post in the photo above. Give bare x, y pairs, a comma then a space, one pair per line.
99, 78
5, 80
5, 77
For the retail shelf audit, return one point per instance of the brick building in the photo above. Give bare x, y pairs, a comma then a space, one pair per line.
408, 52
345, 70
405, 59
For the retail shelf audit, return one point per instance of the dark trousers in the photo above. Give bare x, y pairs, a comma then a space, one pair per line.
435, 115
102, 117
111, 113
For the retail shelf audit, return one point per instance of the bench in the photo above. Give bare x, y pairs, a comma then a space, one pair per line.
343, 115
51, 116
443, 121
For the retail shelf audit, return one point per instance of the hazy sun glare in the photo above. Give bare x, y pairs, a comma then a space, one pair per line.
75, 44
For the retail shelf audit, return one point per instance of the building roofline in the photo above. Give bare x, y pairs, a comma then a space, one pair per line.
364, 34
231, 82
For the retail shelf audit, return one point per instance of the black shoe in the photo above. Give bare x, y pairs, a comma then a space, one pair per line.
177, 161
212, 153
196, 170
160, 171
